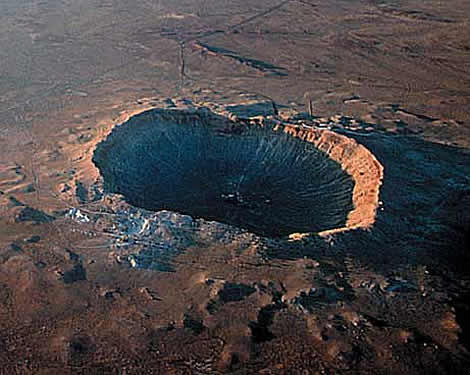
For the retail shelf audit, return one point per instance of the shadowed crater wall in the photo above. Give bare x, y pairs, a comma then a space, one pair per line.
206, 166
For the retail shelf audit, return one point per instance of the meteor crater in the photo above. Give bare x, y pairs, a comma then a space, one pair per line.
264, 179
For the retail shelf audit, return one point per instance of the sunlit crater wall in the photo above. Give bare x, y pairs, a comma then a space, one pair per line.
358, 162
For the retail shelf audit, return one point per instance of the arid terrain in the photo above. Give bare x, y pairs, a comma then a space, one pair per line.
91, 284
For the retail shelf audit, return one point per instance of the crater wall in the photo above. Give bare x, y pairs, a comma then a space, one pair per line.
358, 162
